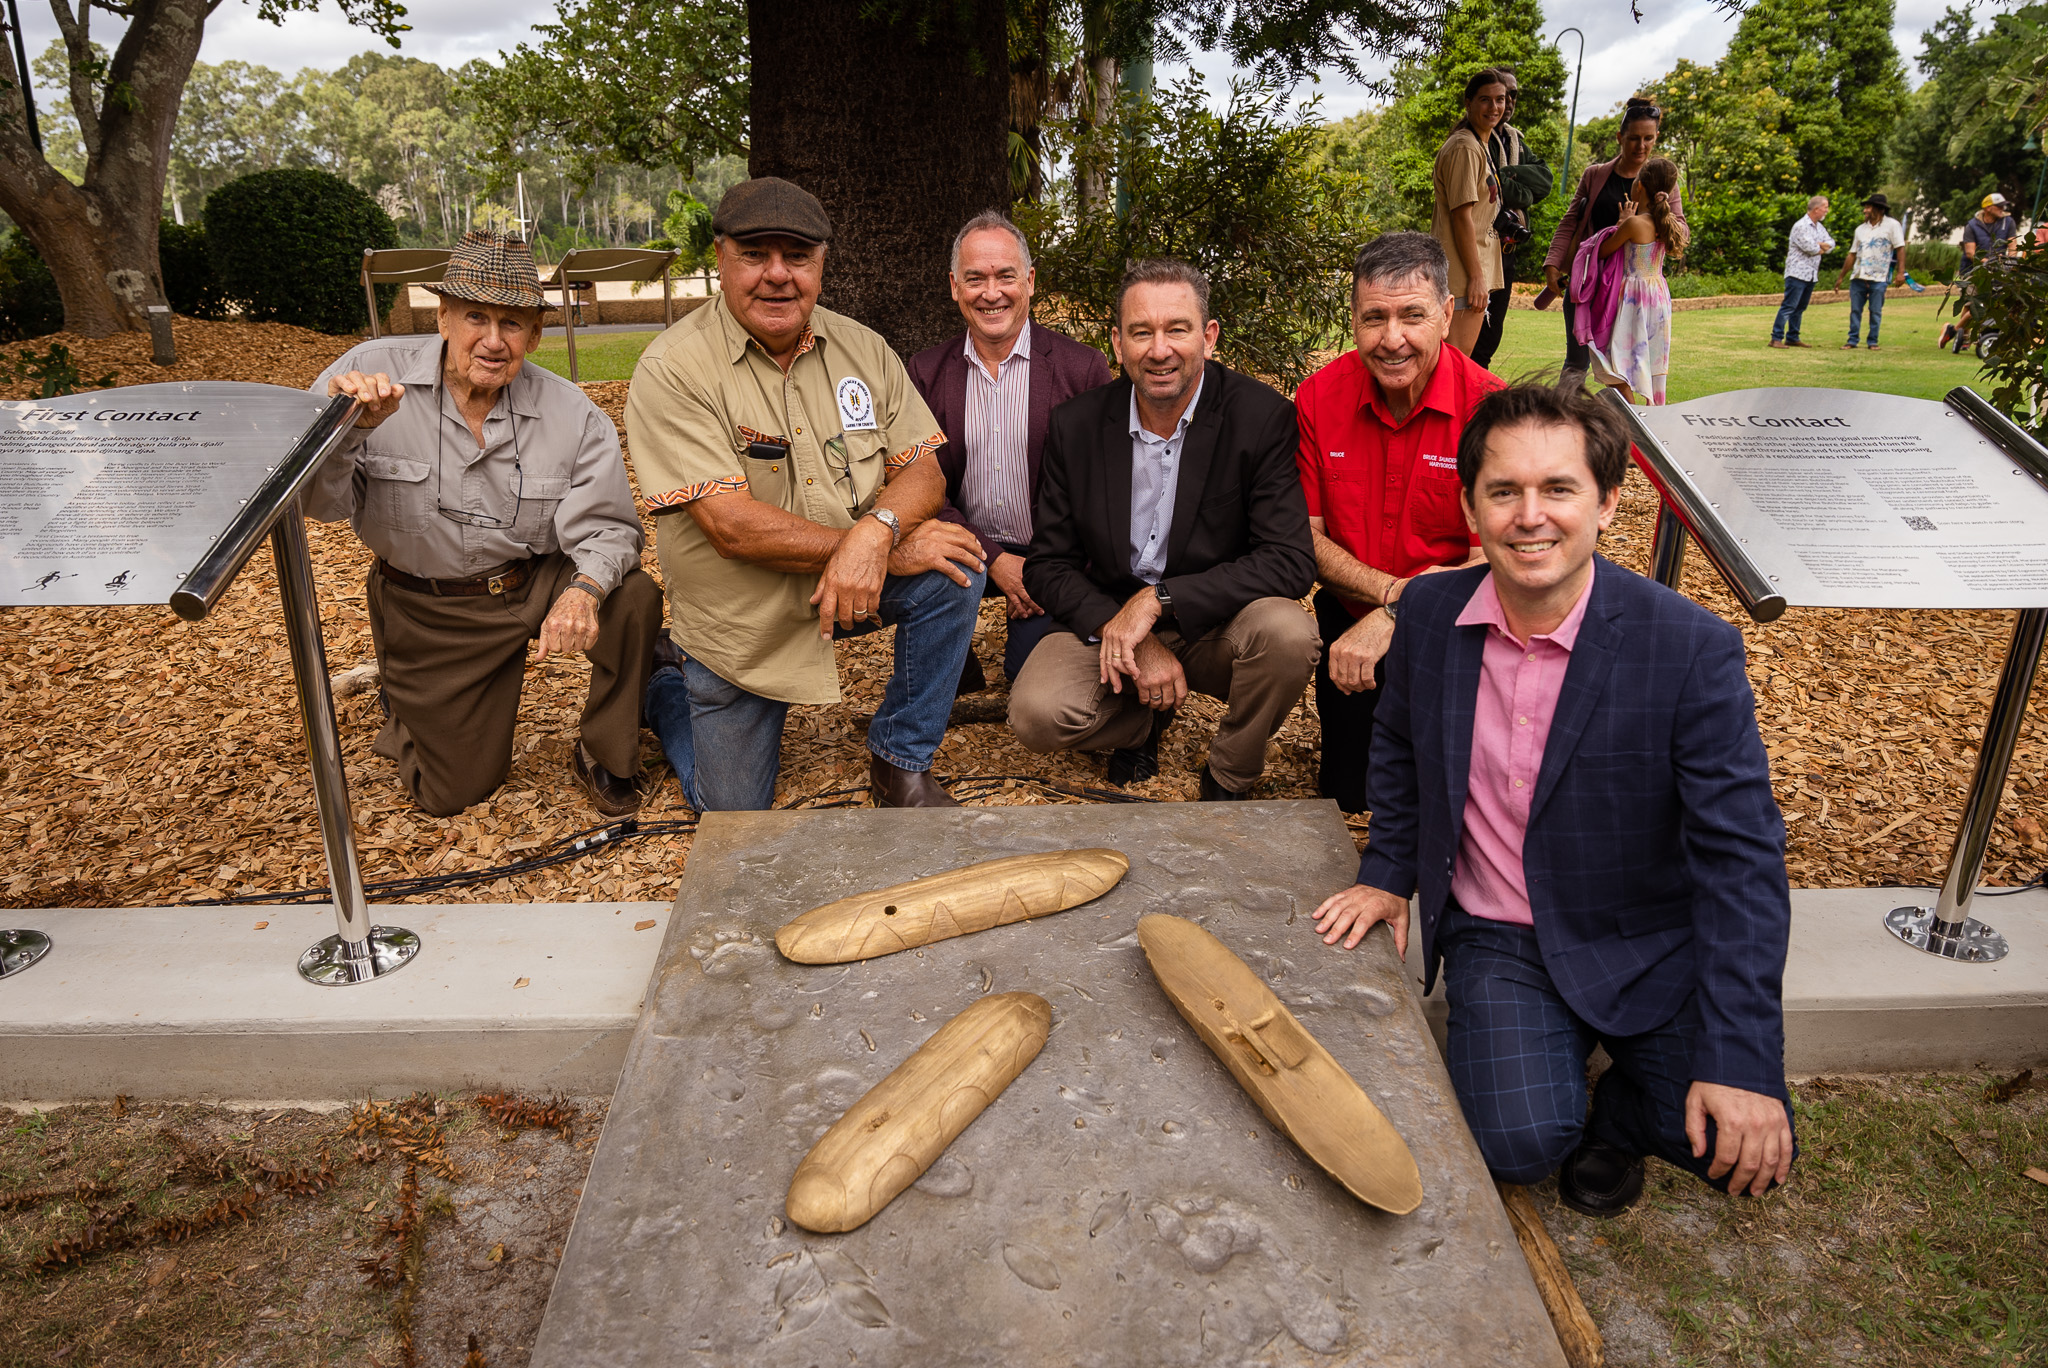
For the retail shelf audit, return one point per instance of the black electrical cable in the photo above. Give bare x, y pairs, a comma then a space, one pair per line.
592, 839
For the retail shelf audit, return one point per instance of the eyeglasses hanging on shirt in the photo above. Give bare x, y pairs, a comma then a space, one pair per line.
463, 515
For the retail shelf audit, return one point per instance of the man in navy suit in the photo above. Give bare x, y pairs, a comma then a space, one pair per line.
1566, 765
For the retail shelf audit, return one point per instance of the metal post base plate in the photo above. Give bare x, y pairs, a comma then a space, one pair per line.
334, 961
1968, 940
20, 949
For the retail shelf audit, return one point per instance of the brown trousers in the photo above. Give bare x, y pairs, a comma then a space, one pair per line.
1259, 663
452, 669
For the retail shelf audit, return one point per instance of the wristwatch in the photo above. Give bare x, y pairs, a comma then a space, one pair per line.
1165, 600
1388, 609
890, 521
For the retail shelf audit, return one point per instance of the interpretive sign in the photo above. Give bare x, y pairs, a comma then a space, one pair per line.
1123, 1201
1852, 500
112, 497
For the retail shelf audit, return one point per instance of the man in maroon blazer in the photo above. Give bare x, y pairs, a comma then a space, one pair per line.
993, 388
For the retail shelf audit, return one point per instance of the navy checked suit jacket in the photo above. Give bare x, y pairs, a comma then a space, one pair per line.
1655, 853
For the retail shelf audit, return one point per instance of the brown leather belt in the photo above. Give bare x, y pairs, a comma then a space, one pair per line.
503, 581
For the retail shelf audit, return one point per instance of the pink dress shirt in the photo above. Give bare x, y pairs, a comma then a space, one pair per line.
1518, 687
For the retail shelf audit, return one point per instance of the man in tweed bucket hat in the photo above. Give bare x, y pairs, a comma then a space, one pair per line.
497, 503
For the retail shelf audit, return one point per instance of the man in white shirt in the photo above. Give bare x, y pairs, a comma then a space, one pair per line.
1809, 243
1877, 257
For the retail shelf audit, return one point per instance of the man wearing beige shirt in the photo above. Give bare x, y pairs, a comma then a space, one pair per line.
788, 460
493, 495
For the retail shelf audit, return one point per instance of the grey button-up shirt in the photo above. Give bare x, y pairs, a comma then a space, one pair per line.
549, 469
995, 486
1155, 478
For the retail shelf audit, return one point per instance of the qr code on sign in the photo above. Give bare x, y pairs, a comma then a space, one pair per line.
1922, 524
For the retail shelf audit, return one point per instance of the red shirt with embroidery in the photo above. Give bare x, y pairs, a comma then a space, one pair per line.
1387, 492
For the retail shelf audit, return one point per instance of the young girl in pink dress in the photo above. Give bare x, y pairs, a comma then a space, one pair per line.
1638, 354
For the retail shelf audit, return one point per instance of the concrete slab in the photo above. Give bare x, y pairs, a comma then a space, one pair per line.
1122, 1202
1857, 1000
196, 1003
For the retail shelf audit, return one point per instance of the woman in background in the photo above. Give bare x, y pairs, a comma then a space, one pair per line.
1649, 231
1467, 200
1595, 205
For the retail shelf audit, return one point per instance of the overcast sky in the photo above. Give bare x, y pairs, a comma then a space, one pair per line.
1620, 53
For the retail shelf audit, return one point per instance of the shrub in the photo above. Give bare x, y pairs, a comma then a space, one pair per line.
190, 286
29, 303
2012, 299
1243, 195
1933, 262
1700, 285
288, 247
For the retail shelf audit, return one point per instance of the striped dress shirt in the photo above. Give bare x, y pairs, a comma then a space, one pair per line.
995, 487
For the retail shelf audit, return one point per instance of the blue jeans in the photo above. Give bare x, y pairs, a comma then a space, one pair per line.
1859, 292
725, 742
1786, 327
1517, 1056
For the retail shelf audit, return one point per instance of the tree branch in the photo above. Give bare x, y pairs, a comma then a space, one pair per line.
78, 48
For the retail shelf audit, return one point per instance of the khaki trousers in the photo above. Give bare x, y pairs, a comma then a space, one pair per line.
452, 669
1259, 663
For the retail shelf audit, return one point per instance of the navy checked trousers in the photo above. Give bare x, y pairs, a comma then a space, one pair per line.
1517, 1056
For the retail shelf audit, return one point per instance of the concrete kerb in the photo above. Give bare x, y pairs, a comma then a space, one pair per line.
205, 1003
196, 1004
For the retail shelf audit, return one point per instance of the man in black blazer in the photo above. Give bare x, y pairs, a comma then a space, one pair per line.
1171, 539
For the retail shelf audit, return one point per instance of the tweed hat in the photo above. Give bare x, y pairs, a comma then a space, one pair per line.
491, 268
771, 206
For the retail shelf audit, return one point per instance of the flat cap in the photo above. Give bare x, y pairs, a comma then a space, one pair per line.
770, 205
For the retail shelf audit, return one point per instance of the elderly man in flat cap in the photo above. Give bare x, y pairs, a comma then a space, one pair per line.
495, 498
789, 462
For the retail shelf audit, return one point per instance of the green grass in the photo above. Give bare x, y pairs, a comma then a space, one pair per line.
1714, 350
599, 356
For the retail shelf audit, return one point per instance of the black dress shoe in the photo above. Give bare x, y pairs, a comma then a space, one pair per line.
1135, 764
1600, 1180
1213, 792
972, 678
889, 787
609, 794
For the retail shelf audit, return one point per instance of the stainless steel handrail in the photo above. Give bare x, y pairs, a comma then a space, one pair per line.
209, 579
1751, 587
2014, 440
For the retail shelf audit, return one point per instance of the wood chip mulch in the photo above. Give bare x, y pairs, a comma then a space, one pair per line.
148, 761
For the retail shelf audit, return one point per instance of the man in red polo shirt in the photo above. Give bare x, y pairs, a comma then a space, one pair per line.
1379, 466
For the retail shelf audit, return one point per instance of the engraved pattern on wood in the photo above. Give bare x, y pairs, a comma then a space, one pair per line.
956, 903
1576, 1333
886, 1141
1297, 1083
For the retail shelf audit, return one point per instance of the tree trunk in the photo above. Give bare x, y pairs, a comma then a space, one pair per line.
902, 142
99, 238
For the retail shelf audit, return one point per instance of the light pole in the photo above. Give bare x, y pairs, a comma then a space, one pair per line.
1571, 126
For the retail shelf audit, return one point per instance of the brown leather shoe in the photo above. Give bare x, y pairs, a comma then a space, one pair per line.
1777, 344
609, 794
889, 787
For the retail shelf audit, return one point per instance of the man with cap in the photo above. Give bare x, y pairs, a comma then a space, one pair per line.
500, 513
788, 460
1986, 237
1877, 257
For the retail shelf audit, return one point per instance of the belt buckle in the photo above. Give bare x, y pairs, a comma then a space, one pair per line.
496, 583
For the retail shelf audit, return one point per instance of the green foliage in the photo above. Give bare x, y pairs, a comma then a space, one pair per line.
636, 81
1835, 66
1933, 262
1366, 149
1704, 285
53, 373
2012, 298
288, 247
1286, 38
190, 286
29, 303
1243, 195
1955, 144
688, 228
